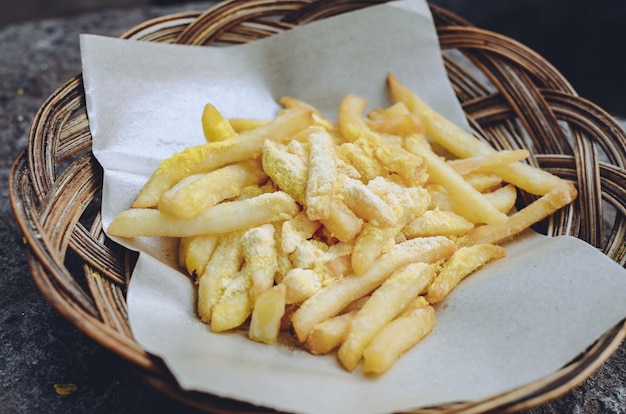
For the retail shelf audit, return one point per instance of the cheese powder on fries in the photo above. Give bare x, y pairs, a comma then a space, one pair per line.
344, 233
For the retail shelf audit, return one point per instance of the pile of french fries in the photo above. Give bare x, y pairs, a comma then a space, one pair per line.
343, 232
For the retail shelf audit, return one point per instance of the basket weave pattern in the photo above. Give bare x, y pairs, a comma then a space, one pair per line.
513, 99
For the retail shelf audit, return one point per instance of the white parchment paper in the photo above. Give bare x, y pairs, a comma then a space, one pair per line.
517, 320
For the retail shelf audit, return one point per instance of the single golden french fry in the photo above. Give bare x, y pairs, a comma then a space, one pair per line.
365, 203
339, 266
234, 307
398, 336
207, 157
463, 144
385, 303
402, 125
489, 162
482, 181
287, 170
183, 244
395, 109
350, 118
215, 126
211, 188
320, 119
329, 334
240, 125
503, 198
223, 265
471, 204
267, 315
437, 223
301, 284
198, 252
260, 259
463, 262
371, 242
342, 222
320, 187
331, 300
221, 218
517, 222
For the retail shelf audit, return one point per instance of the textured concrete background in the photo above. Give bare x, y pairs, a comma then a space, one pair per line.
38, 347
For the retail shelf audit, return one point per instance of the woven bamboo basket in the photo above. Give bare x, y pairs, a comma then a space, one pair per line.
513, 98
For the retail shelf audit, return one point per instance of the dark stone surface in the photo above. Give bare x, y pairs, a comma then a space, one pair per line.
38, 347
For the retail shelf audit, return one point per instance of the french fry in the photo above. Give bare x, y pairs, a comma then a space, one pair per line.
319, 118
488, 163
207, 190
406, 202
320, 186
260, 259
463, 262
309, 255
385, 303
398, 336
483, 182
351, 121
437, 222
198, 252
329, 334
410, 167
356, 130
393, 110
240, 125
503, 198
267, 315
536, 211
401, 125
301, 284
221, 218
342, 222
183, 245
472, 205
215, 126
331, 300
439, 199
223, 265
371, 242
365, 203
234, 306
464, 145
286, 170
205, 158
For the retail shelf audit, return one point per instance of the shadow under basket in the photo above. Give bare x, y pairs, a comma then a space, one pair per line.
513, 99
